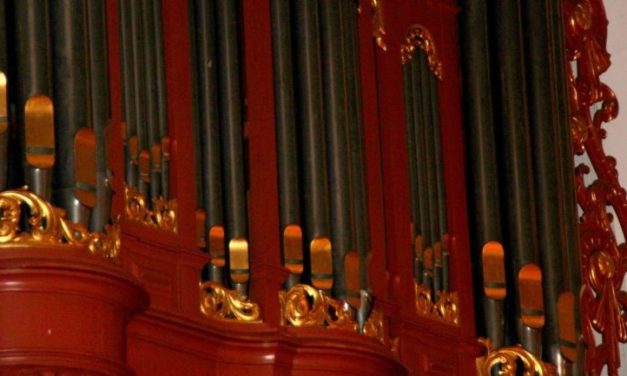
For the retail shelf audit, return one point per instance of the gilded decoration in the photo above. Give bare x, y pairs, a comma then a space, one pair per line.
305, 306
603, 260
163, 214
378, 25
46, 224
419, 37
217, 302
444, 309
508, 359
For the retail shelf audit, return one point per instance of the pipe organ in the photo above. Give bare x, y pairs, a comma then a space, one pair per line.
307, 187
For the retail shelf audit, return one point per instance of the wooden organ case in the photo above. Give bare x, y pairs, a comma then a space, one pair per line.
306, 187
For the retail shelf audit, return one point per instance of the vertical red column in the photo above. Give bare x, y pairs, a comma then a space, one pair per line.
176, 54
267, 272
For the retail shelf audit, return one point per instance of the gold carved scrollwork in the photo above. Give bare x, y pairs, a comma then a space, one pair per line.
378, 25
47, 225
507, 359
304, 306
220, 303
162, 216
445, 309
419, 37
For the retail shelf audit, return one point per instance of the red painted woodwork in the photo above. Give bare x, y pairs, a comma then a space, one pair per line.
426, 346
69, 309
603, 260
64, 311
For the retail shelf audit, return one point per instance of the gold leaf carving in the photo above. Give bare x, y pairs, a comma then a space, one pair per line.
163, 215
419, 37
445, 309
304, 306
507, 358
218, 302
46, 225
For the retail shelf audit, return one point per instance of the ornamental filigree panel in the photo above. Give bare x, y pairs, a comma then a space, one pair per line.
603, 260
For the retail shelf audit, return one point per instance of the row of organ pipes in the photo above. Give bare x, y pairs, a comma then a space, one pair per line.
145, 131
54, 105
521, 187
319, 145
426, 176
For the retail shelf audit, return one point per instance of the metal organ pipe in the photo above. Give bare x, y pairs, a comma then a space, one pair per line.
338, 156
289, 187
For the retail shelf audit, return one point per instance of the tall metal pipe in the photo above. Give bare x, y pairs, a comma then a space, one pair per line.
416, 227
352, 80
210, 153
515, 151
128, 91
287, 142
139, 83
485, 215
338, 155
32, 57
100, 108
314, 163
545, 162
232, 135
150, 92
71, 101
162, 114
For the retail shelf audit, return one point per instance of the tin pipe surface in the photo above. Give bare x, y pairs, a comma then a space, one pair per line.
100, 108
128, 90
206, 71
285, 106
231, 116
32, 60
162, 115
484, 195
71, 102
360, 215
309, 92
338, 155
546, 164
150, 91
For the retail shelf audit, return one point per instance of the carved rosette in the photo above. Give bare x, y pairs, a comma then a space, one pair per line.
419, 37
217, 302
445, 309
162, 216
46, 225
507, 359
603, 260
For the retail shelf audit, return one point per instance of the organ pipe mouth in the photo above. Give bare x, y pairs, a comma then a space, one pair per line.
293, 248
531, 297
39, 132
144, 166
493, 260
321, 263
216, 245
4, 113
85, 167
155, 158
238, 260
